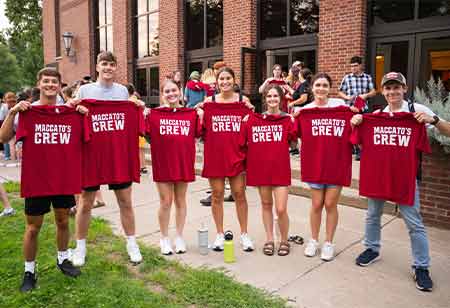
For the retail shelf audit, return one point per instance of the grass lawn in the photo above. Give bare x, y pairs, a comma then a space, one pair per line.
108, 280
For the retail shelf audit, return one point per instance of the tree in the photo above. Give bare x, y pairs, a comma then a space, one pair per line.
10, 77
25, 36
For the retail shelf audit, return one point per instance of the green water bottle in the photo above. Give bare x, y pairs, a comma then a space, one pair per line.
228, 248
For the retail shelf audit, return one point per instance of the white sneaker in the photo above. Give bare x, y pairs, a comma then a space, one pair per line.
166, 246
78, 257
180, 245
218, 243
7, 212
246, 242
134, 253
327, 251
311, 248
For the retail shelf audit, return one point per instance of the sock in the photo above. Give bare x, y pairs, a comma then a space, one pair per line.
81, 244
30, 266
62, 255
131, 239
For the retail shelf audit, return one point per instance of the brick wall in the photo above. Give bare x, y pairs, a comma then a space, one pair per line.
171, 37
74, 17
435, 188
122, 40
239, 30
342, 34
48, 29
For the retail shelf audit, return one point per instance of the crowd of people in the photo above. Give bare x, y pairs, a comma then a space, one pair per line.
240, 146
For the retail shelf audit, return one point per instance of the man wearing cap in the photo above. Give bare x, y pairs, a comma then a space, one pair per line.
394, 88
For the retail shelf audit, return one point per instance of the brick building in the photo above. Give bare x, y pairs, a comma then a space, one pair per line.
152, 38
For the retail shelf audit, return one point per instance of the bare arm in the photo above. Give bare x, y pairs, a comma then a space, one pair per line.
370, 94
344, 96
7, 129
303, 98
443, 126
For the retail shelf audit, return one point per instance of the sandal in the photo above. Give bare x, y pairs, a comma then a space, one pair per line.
284, 249
269, 248
297, 239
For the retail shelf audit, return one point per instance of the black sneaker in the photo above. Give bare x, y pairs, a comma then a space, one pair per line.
423, 279
229, 198
29, 282
367, 257
206, 201
68, 269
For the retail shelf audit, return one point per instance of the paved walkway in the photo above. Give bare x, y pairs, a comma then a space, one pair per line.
305, 282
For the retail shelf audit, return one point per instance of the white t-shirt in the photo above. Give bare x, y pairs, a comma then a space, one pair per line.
332, 102
96, 90
417, 108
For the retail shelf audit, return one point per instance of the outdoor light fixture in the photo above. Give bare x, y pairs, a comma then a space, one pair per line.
68, 39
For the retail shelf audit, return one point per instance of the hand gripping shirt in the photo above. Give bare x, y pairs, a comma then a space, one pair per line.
326, 150
52, 150
221, 130
391, 143
173, 132
265, 139
112, 155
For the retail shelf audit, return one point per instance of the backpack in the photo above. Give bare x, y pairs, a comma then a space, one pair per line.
419, 167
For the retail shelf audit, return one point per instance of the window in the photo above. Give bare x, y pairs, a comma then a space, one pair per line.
281, 18
57, 30
204, 23
391, 11
105, 32
429, 8
147, 28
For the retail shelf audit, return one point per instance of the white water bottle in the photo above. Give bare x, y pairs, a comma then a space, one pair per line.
203, 240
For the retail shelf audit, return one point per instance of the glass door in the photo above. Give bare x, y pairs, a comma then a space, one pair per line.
387, 55
147, 85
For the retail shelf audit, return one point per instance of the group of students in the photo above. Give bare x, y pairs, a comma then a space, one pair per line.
239, 145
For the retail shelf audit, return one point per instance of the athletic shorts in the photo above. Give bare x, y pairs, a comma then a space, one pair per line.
110, 186
320, 186
37, 206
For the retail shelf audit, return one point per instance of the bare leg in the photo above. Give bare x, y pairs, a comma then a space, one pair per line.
123, 197
166, 193
331, 201
237, 184
62, 228
281, 198
83, 217
315, 215
265, 193
181, 207
30, 239
4, 197
217, 191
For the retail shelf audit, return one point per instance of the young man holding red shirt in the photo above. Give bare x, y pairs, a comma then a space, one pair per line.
105, 89
49, 83
394, 88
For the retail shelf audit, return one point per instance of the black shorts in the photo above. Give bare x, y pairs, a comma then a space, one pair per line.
37, 206
110, 186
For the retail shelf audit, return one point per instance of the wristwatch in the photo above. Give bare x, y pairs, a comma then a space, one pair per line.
436, 120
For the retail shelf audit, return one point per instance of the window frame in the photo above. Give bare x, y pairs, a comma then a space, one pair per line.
104, 27
146, 14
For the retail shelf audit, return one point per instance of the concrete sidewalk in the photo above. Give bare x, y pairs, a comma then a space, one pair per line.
305, 282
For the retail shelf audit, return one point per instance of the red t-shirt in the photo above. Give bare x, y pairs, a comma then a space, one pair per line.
210, 89
221, 129
112, 156
390, 155
173, 132
52, 147
326, 150
284, 100
265, 140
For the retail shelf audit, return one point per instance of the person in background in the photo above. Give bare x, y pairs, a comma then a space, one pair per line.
134, 97
10, 100
8, 210
194, 92
355, 84
209, 82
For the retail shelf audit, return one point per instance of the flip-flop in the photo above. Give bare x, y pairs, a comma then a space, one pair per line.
297, 239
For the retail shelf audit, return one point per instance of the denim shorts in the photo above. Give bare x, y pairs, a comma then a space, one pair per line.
320, 186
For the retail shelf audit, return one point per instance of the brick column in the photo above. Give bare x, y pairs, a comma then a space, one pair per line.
122, 40
239, 30
48, 31
435, 188
171, 37
342, 34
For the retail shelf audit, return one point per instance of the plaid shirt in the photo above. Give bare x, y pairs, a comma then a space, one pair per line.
353, 85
